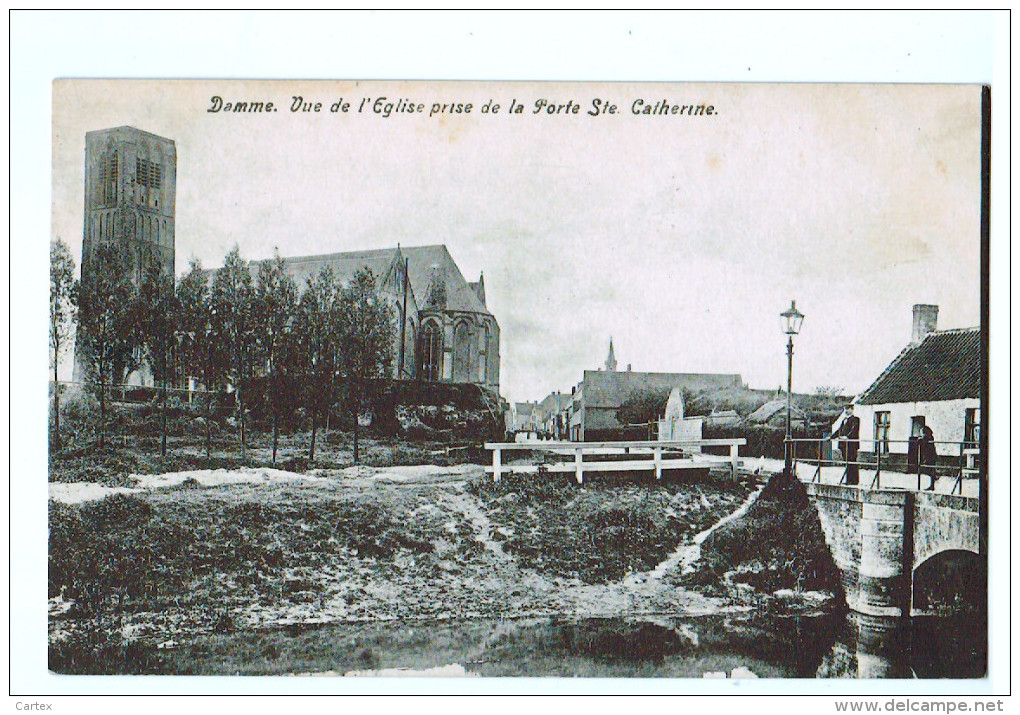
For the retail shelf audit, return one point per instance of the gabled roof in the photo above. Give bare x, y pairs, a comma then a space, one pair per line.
610, 389
769, 410
459, 295
946, 365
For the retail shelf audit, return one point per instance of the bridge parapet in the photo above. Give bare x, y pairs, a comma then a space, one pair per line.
878, 537
944, 522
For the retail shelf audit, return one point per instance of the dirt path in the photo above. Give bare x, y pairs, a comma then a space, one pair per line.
469, 507
646, 592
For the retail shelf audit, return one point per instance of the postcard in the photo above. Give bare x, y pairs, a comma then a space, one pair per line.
497, 379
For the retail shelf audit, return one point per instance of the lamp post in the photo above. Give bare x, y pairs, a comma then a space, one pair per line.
792, 320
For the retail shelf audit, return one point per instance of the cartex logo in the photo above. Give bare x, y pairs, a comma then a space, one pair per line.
919, 706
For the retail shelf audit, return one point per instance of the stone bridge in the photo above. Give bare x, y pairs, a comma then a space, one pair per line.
879, 538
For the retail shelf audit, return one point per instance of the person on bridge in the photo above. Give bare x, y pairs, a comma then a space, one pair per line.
850, 431
927, 456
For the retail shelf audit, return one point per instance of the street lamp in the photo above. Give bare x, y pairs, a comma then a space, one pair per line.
792, 320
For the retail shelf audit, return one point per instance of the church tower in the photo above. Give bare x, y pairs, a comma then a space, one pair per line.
611, 360
130, 195
130, 199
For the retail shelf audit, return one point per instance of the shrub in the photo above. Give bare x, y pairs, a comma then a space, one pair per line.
98, 648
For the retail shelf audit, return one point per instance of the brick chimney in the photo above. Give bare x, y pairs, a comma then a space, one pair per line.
925, 319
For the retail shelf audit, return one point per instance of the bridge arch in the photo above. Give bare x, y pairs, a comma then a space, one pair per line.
950, 579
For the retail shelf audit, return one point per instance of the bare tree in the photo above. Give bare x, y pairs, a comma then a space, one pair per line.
232, 320
366, 343
158, 313
275, 307
200, 351
107, 336
63, 300
316, 339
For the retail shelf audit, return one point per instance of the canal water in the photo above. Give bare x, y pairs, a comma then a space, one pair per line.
731, 645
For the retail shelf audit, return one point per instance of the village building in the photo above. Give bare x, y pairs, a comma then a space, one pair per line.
773, 414
935, 381
525, 419
553, 415
597, 399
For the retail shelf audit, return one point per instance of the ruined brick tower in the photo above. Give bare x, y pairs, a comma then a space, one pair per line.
130, 190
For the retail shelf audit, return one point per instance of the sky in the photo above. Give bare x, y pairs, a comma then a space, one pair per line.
681, 237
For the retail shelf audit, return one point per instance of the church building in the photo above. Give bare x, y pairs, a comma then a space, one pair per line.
444, 330
447, 333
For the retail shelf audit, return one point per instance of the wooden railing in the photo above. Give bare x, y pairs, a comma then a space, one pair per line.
661, 456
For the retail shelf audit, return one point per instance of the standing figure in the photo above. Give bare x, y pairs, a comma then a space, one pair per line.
927, 456
850, 432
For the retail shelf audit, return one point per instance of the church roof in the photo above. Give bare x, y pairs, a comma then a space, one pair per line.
421, 259
946, 365
344, 265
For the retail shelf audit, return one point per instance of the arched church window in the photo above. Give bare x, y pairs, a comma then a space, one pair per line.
431, 366
462, 352
492, 355
483, 352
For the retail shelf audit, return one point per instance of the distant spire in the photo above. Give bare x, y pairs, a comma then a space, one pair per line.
611, 360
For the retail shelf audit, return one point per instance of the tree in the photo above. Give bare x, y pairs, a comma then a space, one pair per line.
232, 320
317, 337
366, 343
275, 308
107, 336
200, 352
643, 406
63, 299
158, 313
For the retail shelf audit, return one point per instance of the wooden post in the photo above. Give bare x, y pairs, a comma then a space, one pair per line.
734, 453
495, 465
818, 472
877, 481
579, 473
657, 456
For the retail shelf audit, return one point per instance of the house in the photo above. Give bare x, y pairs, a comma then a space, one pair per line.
600, 395
935, 381
525, 419
553, 414
722, 419
773, 413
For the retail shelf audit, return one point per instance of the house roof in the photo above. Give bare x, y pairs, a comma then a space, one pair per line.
769, 410
610, 389
946, 365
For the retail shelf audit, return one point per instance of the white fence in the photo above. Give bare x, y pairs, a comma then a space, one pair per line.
679, 454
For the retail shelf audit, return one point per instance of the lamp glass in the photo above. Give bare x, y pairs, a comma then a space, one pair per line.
792, 319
